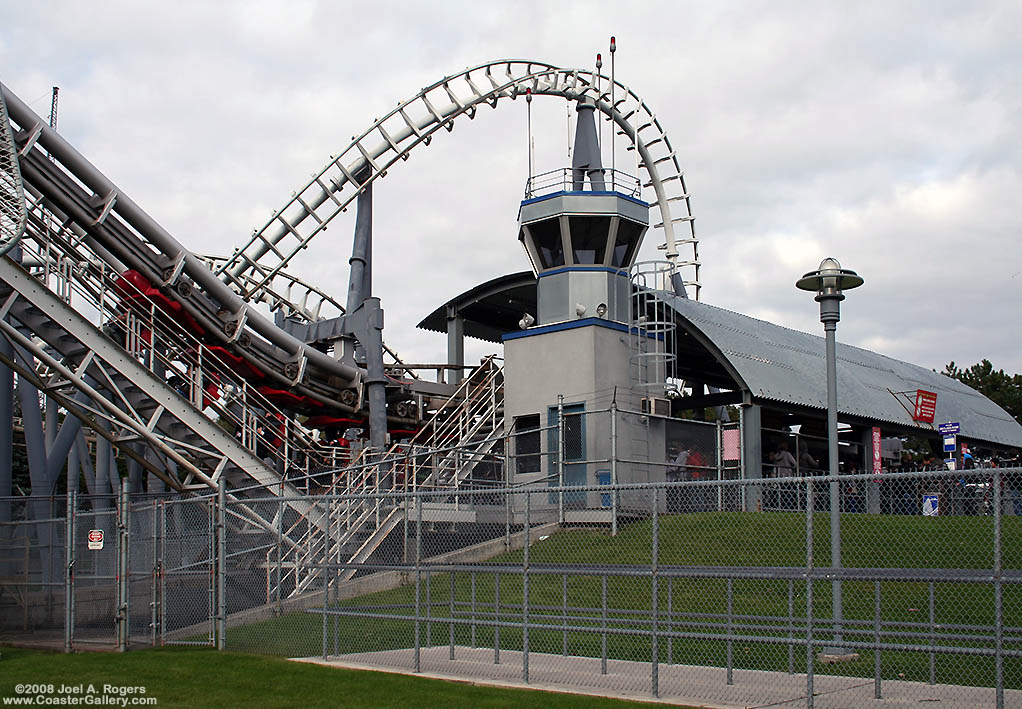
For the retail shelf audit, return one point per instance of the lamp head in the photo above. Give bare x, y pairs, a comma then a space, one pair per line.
829, 280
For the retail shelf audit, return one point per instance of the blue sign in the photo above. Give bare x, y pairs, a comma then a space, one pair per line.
949, 427
949, 443
931, 505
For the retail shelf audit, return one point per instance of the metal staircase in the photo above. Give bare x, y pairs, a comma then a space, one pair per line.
465, 434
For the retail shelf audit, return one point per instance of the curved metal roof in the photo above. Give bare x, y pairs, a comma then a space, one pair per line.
777, 364
491, 309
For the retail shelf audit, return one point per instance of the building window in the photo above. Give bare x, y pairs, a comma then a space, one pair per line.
547, 237
588, 239
527, 444
625, 244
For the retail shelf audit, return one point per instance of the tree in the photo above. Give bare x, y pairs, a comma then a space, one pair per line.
1003, 389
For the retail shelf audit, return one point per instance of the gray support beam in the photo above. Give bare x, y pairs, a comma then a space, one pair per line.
154, 484
52, 422
88, 471
103, 454
752, 454
455, 343
35, 443
135, 472
375, 379
74, 468
63, 440
360, 250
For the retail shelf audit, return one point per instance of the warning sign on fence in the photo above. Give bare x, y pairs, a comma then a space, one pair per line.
95, 539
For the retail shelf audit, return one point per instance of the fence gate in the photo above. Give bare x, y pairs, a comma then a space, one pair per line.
96, 551
144, 573
184, 593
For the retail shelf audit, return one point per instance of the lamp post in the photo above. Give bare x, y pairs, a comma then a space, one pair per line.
829, 282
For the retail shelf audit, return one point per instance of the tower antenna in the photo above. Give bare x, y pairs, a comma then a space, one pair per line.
528, 104
613, 106
599, 135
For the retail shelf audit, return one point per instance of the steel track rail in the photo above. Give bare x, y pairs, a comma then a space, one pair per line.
82, 195
252, 268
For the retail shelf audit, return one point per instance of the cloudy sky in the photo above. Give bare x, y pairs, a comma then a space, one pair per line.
884, 134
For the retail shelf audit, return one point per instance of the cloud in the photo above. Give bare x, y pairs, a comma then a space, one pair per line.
884, 136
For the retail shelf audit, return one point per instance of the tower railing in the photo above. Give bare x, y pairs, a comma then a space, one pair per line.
567, 179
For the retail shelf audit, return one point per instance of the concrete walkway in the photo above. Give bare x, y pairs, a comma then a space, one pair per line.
684, 685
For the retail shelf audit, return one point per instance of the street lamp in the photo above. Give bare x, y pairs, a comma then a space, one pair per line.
829, 281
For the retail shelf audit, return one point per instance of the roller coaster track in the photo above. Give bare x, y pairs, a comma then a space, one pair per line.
85, 201
253, 268
110, 383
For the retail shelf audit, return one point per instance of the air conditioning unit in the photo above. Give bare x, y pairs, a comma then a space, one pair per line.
656, 406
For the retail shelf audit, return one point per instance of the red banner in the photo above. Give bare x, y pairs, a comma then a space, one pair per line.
926, 406
878, 465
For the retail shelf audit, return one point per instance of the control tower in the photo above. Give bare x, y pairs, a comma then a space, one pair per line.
581, 228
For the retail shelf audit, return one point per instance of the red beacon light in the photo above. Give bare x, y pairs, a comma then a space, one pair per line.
613, 44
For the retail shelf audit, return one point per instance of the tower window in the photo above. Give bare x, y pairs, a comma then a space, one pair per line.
547, 237
589, 238
628, 234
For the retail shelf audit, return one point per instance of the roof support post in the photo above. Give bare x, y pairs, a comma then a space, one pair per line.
455, 343
752, 454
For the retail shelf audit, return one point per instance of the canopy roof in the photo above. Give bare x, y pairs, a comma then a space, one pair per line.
774, 363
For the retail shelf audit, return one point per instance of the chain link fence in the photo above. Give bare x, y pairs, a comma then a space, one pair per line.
548, 569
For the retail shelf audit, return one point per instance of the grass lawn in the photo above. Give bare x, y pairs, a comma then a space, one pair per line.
704, 539
205, 678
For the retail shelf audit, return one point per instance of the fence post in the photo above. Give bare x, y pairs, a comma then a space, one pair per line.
450, 610
221, 562
670, 618
163, 576
496, 617
473, 639
525, 588
809, 593
154, 599
69, 577
720, 466
998, 594
564, 615
932, 631
603, 618
508, 498
730, 631
791, 626
280, 545
876, 640
655, 560
613, 466
122, 570
418, 579
560, 459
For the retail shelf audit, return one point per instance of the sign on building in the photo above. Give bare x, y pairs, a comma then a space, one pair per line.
95, 539
926, 406
877, 462
949, 427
